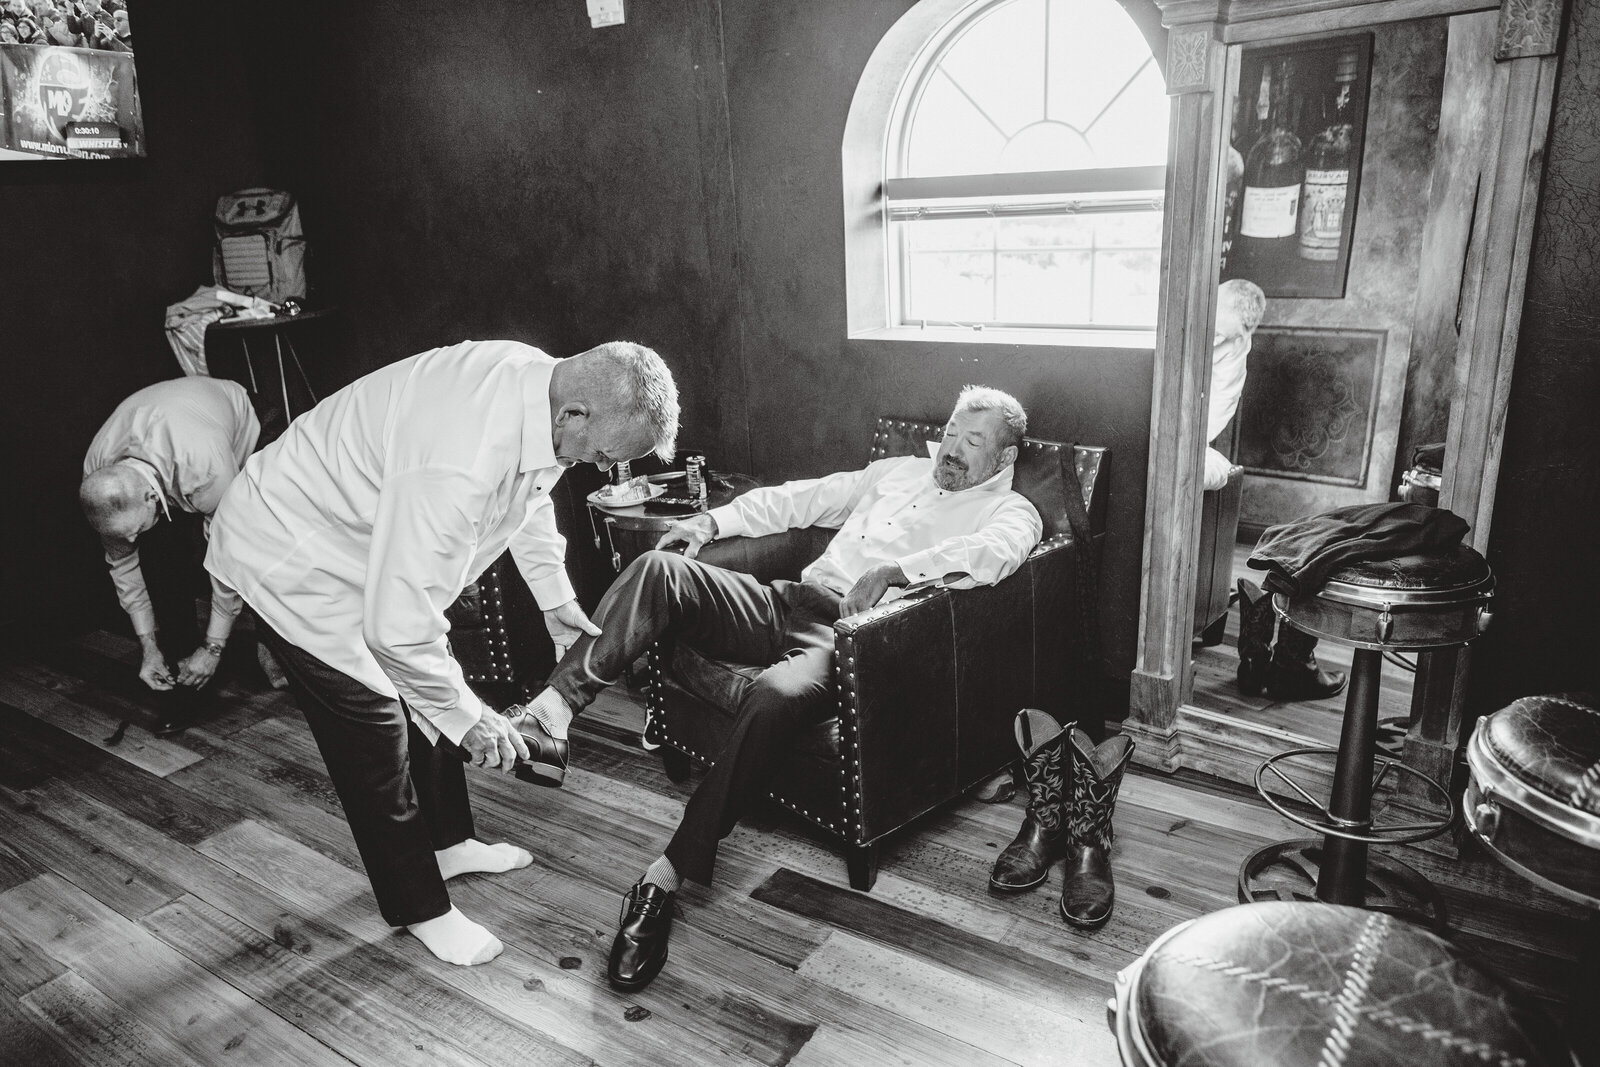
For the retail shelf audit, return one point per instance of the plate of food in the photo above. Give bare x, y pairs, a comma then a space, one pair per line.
626, 494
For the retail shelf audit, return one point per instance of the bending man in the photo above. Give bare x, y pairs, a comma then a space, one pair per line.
953, 520
168, 451
353, 532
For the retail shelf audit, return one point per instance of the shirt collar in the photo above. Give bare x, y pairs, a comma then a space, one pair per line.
149, 473
538, 451
998, 482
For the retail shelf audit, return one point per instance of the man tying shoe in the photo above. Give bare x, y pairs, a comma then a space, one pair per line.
952, 520
353, 532
169, 451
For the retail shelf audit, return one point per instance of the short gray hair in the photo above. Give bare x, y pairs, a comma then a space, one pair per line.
644, 391
106, 494
984, 398
1246, 299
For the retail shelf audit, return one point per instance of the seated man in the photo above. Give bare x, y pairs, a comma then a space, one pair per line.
170, 449
951, 520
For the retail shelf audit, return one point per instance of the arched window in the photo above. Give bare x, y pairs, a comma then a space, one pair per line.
1020, 165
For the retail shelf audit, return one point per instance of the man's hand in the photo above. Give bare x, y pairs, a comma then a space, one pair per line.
198, 667
494, 743
566, 624
870, 587
153, 671
695, 532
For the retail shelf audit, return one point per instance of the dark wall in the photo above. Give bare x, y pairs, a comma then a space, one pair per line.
94, 253
675, 180
1546, 635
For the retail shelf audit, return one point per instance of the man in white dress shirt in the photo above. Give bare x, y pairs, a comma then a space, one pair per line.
353, 532
952, 519
169, 451
1240, 305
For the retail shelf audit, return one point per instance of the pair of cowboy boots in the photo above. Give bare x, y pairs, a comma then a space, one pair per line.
1275, 656
1072, 793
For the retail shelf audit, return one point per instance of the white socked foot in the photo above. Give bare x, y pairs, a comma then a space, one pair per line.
456, 939
474, 857
552, 713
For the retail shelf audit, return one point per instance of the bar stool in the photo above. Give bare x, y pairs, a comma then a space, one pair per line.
1309, 985
1413, 603
1533, 803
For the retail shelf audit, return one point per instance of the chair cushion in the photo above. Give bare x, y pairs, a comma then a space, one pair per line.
1301, 983
1458, 567
1552, 745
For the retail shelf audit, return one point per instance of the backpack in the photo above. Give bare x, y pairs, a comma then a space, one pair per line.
260, 249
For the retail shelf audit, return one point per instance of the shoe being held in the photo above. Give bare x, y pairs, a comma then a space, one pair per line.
547, 756
639, 950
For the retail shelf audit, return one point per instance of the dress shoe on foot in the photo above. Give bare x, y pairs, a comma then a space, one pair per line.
640, 947
547, 756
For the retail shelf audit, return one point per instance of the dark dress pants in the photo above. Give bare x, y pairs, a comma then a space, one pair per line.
726, 615
403, 796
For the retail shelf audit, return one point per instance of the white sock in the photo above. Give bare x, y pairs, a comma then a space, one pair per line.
662, 873
474, 857
551, 712
456, 939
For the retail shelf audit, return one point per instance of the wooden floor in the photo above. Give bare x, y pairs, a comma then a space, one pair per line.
1216, 689
199, 901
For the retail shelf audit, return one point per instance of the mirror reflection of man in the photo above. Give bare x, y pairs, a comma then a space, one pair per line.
1240, 305
152, 479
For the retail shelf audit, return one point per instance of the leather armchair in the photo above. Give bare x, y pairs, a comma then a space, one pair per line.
928, 685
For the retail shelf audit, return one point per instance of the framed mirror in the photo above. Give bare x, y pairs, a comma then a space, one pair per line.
1417, 348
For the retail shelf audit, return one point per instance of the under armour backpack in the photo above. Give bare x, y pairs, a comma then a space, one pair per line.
260, 248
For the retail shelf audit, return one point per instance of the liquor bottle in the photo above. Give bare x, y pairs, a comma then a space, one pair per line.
1230, 207
1322, 201
1273, 173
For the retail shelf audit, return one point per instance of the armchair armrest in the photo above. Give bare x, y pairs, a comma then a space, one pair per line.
899, 721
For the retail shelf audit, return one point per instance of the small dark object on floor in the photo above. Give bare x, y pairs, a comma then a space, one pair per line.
118, 734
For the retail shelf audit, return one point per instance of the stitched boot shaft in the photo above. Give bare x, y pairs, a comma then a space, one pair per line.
1294, 674
1256, 625
1025, 862
1087, 888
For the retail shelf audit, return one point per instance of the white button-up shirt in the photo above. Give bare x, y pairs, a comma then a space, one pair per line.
188, 438
1228, 369
353, 532
894, 512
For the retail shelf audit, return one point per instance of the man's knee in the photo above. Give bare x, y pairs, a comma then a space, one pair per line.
653, 567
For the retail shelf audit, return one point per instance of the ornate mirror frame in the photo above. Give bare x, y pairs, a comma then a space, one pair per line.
1508, 107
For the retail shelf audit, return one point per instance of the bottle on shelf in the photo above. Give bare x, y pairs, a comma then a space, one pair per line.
1322, 200
1273, 173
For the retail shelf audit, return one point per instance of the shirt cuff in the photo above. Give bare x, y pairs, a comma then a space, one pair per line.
921, 567
729, 523
553, 591
455, 722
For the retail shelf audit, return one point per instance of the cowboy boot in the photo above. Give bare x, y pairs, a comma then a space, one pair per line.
1294, 674
1025, 862
1087, 891
1256, 623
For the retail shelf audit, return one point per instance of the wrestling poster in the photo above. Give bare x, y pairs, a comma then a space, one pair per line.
69, 103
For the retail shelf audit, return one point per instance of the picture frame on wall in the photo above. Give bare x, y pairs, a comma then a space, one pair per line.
1294, 165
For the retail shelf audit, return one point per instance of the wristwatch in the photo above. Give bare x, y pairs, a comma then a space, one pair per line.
213, 647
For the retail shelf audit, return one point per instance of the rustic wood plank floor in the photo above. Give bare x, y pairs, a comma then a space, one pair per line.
198, 900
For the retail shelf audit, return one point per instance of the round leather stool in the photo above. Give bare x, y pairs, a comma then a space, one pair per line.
1291, 984
1533, 802
1410, 603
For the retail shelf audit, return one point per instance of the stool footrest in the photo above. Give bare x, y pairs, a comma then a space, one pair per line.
1399, 834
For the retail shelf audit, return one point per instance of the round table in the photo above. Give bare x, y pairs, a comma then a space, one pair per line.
624, 533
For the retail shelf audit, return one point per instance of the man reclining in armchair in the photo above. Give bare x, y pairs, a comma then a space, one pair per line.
907, 521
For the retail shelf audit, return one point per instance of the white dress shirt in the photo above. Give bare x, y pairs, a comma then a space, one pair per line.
353, 532
187, 438
1228, 367
893, 512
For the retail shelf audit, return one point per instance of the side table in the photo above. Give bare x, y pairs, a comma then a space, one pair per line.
624, 534
277, 333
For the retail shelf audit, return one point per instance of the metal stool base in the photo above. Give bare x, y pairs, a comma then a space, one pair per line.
1288, 870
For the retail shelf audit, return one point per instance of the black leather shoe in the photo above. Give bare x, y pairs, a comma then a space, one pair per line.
547, 756
640, 948
173, 726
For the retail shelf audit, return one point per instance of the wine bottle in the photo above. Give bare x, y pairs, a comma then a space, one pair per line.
1322, 200
1273, 173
